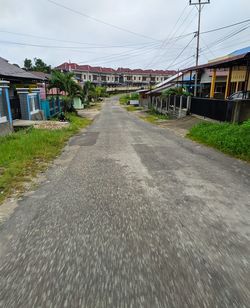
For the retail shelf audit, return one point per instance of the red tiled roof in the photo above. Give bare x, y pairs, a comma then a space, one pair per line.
98, 69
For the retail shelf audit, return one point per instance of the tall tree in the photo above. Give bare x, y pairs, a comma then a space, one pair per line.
41, 66
28, 64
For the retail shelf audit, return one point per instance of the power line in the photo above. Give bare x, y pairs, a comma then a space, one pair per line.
199, 5
192, 33
221, 40
56, 46
121, 56
224, 38
167, 39
172, 63
226, 27
66, 41
101, 21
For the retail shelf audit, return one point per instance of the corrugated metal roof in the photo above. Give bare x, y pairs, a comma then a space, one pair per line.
241, 51
225, 62
10, 70
42, 75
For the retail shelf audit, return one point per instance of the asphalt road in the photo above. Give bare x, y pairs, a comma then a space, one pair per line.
131, 215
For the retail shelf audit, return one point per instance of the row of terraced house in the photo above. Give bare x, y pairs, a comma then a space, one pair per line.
115, 77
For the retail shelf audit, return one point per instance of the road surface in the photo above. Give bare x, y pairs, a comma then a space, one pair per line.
131, 215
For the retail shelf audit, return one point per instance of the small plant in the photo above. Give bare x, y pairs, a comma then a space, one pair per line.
175, 91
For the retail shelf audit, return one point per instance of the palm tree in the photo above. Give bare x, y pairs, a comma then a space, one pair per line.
88, 90
66, 83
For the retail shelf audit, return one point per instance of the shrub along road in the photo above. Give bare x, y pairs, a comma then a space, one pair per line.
131, 215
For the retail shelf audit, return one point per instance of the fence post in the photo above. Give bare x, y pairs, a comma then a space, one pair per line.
54, 106
4, 87
236, 113
161, 104
38, 97
181, 98
188, 103
174, 102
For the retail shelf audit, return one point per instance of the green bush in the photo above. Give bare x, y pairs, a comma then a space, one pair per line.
126, 97
175, 91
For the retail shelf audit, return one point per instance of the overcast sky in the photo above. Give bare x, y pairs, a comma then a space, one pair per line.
132, 33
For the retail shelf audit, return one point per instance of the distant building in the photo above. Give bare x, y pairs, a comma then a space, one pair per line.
110, 77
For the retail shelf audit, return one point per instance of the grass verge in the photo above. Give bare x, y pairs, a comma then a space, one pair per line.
25, 153
233, 139
153, 116
133, 108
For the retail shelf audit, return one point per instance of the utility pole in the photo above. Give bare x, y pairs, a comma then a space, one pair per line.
199, 5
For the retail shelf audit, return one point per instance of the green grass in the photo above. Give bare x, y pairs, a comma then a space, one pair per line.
133, 108
25, 153
233, 139
154, 116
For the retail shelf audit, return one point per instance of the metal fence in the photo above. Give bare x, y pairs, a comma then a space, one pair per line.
51, 106
220, 110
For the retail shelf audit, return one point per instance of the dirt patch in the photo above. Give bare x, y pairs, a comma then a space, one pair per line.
89, 113
181, 126
51, 125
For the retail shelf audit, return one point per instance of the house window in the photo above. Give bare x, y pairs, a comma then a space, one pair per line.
144, 78
134, 77
84, 76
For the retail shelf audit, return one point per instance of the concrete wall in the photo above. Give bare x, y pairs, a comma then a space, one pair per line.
38, 116
5, 129
244, 113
